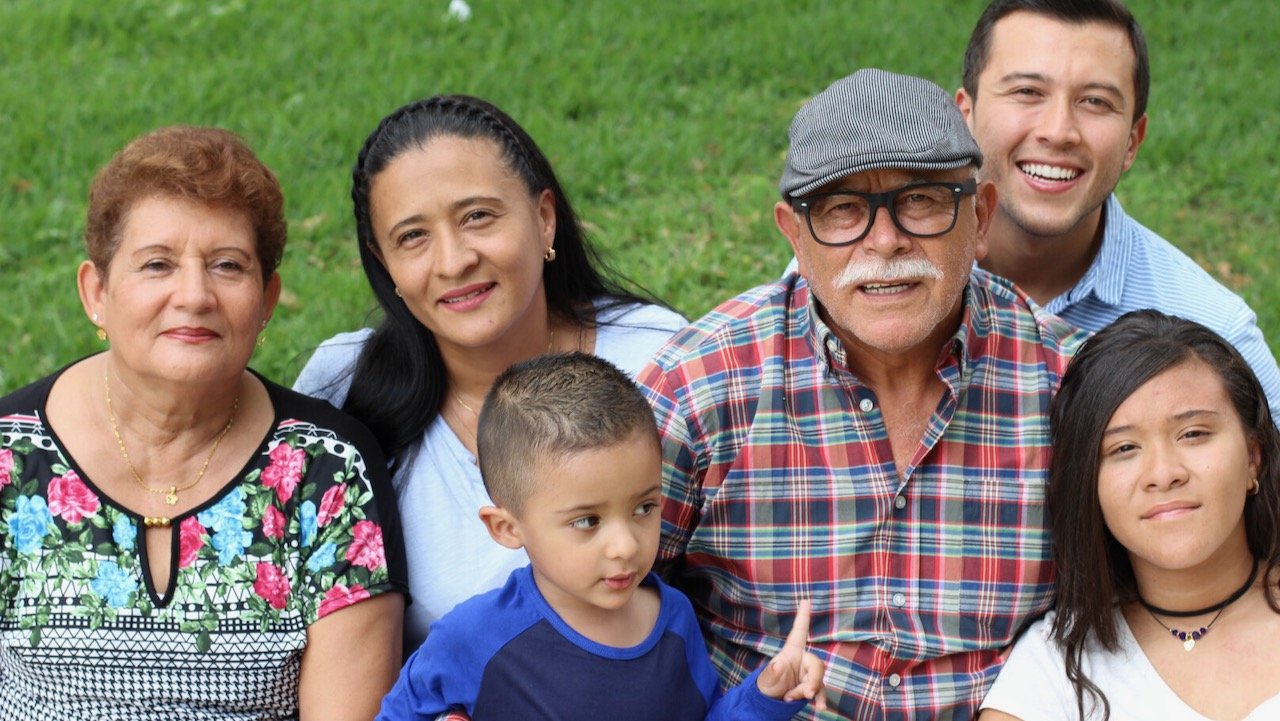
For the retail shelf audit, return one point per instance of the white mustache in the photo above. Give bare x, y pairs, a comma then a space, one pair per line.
887, 271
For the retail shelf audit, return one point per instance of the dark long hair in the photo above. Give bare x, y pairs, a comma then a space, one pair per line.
399, 380
1093, 568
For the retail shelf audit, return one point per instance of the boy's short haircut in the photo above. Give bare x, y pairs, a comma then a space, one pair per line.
548, 407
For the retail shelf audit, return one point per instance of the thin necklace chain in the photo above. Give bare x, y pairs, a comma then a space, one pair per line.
1189, 638
170, 494
551, 339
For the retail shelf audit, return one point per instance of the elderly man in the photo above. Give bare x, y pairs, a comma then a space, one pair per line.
1055, 91
870, 433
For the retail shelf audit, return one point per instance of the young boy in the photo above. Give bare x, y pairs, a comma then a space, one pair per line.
569, 453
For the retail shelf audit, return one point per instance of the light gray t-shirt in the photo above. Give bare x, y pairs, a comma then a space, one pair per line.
439, 490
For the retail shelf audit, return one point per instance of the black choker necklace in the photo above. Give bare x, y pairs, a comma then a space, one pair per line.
1189, 638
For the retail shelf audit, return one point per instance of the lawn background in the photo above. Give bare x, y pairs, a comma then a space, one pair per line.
666, 122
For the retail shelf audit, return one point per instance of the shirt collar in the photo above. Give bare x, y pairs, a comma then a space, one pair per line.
1106, 274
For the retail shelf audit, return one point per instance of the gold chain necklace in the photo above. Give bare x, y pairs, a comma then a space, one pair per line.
170, 495
551, 339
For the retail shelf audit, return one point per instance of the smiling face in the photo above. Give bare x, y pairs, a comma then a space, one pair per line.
1174, 469
463, 240
183, 298
591, 526
892, 293
1054, 118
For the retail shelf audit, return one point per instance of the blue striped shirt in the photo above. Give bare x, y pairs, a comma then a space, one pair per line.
1135, 268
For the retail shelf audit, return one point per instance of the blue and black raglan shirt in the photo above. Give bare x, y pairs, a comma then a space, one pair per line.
506, 654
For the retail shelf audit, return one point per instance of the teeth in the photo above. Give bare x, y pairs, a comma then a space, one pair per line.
1049, 172
468, 296
885, 289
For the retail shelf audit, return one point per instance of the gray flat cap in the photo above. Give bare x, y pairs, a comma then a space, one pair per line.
875, 119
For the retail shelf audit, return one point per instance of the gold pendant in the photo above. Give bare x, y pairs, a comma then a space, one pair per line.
1189, 644
172, 498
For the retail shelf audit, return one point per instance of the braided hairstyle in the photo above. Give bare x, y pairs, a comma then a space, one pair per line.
398, 383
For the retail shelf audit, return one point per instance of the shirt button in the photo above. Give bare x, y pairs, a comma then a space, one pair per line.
895, 680
900, 502
866, 405
899, 600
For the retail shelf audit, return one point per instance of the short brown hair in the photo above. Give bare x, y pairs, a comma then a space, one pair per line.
551, 406
205, 165
1077, 12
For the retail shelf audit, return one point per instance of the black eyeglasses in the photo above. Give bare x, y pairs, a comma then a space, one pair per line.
923, 210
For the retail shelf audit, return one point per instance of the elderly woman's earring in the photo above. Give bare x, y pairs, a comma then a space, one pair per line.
398, 292
102, 334
1254, 486
550, 255
262, 335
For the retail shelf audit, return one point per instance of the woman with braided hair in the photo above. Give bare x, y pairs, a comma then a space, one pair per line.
477, 261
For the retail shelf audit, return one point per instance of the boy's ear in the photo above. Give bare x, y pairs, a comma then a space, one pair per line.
502, 526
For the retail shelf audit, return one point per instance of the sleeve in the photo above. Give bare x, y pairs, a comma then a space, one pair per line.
1033, 684
743, 702
348, 525
433, 682
1247, 338
681, 477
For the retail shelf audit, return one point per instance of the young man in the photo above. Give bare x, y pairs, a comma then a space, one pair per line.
871, 433
1055, 93
569, 453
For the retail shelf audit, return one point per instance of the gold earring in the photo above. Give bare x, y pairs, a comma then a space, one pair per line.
102, 334
550, 255
1254, 486
262, 339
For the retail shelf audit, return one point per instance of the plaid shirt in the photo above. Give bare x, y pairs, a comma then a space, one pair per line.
780, 484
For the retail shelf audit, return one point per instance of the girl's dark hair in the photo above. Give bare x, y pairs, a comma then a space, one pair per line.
1093, 568
399, 381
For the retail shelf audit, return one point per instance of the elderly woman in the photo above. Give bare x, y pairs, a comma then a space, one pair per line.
183, 538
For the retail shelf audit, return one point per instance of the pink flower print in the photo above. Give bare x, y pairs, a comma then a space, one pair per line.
285, 471
331, 505
273, 522
366, 550
70, 498
271, 585
190, 541
6, 467
340, 597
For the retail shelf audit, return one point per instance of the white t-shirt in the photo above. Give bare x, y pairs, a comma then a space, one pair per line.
439, 490
1033, 684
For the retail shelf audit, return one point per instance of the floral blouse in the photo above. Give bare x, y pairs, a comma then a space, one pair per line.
308, 527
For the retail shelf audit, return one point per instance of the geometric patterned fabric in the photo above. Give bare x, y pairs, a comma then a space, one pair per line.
84, 634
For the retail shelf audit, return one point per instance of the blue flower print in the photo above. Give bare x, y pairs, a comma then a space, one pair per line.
113, 585
307, 523
29, 523
323, 557
124, 533
230, 544
227, 514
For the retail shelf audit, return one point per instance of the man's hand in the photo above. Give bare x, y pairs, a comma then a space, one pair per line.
795, 673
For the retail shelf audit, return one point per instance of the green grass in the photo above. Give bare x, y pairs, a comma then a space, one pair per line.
666, 122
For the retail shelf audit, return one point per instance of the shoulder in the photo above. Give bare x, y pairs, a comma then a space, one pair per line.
327, 373
1160, 275
293, 409
737, 326
628, 335
1033, 677
28, 400
1010, 320
488, 621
